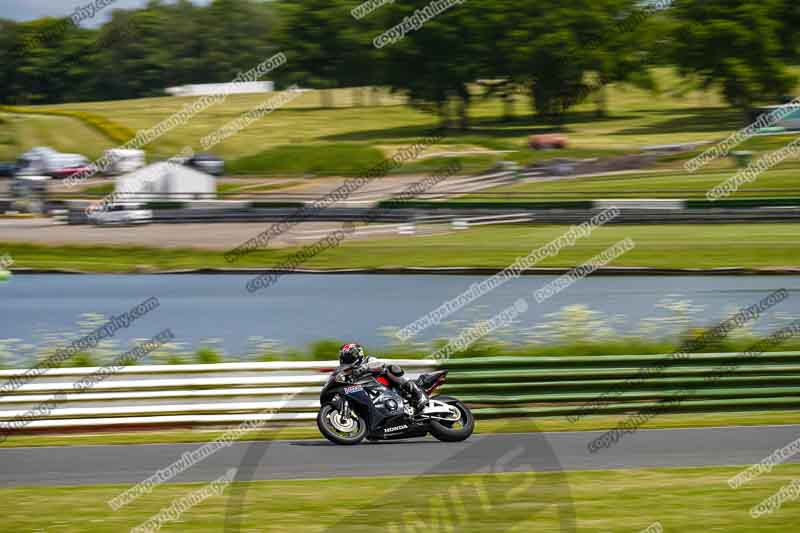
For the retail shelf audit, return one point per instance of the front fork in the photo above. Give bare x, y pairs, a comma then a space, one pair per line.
343, 406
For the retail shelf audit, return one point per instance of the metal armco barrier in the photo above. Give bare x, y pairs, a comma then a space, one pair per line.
496, 387
165, 396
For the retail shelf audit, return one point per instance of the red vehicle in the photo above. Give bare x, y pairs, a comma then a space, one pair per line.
549, 141
65, 165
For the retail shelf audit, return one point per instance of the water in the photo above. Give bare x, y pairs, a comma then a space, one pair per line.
304, 308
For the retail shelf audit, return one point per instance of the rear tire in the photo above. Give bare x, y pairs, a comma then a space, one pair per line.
447, 432
336, 436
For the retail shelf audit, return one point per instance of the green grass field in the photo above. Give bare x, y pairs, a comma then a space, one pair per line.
776, 183
680, 499
668, 246
19, 133
637, 118
517, 425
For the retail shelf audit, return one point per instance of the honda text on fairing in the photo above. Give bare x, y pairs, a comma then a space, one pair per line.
354, 408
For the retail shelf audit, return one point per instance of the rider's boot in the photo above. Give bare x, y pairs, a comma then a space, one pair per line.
416, 394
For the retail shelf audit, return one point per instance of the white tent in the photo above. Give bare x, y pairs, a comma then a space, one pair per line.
167, 181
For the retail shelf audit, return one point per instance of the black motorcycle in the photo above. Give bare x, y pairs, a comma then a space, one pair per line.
368, 407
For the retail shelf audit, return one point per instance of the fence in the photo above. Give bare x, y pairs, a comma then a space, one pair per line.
190, 395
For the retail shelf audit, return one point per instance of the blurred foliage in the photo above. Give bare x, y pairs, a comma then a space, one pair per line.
208, 356
736, 45
572, 330
557, 53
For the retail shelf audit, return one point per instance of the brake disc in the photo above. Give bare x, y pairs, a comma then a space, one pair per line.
345, 425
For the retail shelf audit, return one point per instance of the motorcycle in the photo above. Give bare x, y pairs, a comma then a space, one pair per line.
369, 407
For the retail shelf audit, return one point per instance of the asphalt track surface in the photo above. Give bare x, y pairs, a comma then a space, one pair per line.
311, 459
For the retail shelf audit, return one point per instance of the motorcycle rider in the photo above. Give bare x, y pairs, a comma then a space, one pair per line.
353, 355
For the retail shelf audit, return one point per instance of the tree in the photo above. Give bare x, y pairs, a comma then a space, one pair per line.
551, 46
325, 47
788, 16
438, 62
621, 52
733, 45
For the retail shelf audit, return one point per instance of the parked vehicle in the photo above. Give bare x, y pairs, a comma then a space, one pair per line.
124, 161
208, 163
65, 165
25, 186
43, 161
121, 215
370, 408
29, 193
32, 163
7, 170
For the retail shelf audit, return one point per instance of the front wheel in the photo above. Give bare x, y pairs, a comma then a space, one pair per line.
457, 430
339, 429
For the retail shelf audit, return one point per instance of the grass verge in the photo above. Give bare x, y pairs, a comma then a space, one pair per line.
680, 185
514, 425
680, 499
668, 246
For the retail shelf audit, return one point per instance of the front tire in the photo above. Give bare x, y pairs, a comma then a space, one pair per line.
457, 431
342, 435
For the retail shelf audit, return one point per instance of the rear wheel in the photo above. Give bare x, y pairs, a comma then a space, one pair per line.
339, 429
457, 430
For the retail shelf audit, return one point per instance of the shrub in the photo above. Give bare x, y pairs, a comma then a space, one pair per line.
207, 356
326, 349
341, 159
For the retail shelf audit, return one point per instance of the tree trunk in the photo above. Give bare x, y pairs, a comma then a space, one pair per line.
601, 101
444, 115
508, 105
375, 94
358, 96
463, 113
326, 98
532, 91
